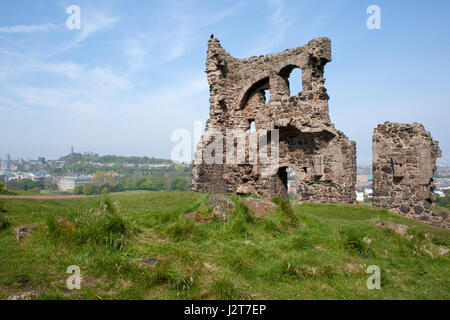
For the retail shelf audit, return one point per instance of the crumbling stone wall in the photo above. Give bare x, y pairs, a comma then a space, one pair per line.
323, 158
404, 161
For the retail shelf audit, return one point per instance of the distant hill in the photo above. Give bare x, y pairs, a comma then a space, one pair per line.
76, 157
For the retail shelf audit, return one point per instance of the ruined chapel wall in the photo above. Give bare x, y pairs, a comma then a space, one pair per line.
404, 161
238, 96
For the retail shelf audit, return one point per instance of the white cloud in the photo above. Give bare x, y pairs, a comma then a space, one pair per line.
27, 28
91, 23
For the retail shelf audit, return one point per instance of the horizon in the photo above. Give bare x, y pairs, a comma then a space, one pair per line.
132, 75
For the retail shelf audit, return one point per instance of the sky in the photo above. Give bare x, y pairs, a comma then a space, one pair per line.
135, 70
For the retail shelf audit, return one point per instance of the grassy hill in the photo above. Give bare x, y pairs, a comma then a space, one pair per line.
308, 251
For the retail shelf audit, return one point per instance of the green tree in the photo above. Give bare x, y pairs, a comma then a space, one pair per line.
89, 189
78, 189
180, 184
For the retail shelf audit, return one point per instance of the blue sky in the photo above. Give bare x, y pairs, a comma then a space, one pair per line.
134, 72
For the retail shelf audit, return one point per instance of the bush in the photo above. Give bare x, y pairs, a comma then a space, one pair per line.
180, 184
4, 190
25, 185
444, 201
78, 190
89, 189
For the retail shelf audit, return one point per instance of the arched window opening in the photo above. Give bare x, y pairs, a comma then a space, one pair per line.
295, 82
252, 126
293, 77
262, 86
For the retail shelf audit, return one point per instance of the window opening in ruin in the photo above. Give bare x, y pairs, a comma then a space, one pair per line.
291, 183
287, 177
267, 95
292, 75
252, 126
259, 86
295, 82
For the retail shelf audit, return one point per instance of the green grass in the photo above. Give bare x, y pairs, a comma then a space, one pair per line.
297, 252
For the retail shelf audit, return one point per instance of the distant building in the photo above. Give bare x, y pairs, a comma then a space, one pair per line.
70, 182
2, 177
40, 175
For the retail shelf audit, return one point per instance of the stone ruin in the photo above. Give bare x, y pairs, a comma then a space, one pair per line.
256, 91
404, 161
323, 158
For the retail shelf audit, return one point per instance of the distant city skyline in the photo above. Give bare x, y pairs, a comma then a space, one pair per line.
133, 74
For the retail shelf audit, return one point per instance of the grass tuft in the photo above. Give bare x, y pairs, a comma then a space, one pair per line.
353, 241
4, 224
225, 289
104, 225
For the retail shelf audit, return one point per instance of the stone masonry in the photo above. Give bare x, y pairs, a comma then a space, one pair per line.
404, 161
323, 158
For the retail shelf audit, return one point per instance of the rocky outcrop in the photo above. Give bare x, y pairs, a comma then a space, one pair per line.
222, 206
22, 232
260, 207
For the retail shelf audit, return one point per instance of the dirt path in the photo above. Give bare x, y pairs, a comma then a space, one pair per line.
46, 197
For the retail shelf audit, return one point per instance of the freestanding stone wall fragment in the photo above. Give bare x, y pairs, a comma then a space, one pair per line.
323, 158
404, 161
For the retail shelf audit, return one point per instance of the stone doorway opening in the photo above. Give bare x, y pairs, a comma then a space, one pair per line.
287, 176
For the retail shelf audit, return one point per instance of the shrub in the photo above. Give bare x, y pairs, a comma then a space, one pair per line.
78, 189
89, 189
4, 190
